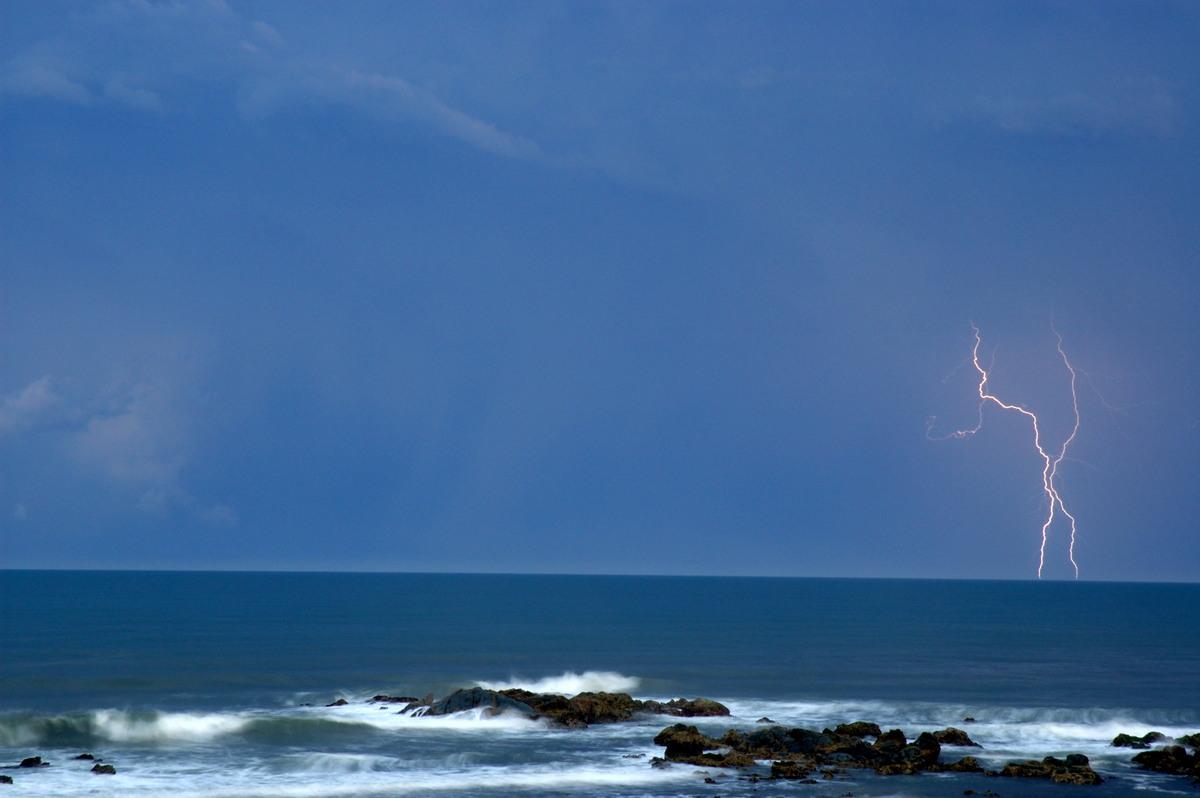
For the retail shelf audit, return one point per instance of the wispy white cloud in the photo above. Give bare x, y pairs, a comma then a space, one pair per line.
1127, 106
137, 98
135, 438
137, 53
23, 409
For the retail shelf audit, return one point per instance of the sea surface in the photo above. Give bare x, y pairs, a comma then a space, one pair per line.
216, 684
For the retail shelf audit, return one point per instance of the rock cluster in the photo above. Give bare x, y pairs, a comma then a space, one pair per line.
1145, 741
797, 753
574, 712
36, 762
1173, 759
1072, 770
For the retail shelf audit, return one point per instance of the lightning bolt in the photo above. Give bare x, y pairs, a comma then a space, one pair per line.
1052, 457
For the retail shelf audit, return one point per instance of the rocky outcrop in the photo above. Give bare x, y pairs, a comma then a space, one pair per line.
1072, 770
955, 737
1145, 741
491, 701
104, 770
688, 745
392, 699
859, 728
797, 753
1173, 759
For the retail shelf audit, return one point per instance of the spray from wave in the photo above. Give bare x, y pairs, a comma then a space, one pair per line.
570, 683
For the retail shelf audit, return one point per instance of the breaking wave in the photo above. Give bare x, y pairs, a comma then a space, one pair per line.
571, 683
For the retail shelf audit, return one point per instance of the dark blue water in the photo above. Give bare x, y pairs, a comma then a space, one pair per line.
162, 668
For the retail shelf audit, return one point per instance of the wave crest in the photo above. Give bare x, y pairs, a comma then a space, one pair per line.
571, 683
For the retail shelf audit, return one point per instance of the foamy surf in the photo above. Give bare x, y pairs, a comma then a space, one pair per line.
570, 683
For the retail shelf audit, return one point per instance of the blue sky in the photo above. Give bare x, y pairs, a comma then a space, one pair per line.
597, 287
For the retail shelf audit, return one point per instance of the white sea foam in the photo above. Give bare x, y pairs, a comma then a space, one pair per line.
468, 720
571, 683
124, 727
369, 781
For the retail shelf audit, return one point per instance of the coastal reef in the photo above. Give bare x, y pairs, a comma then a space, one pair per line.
574, 712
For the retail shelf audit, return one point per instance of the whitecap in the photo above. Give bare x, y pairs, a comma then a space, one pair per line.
571, 683
121, 726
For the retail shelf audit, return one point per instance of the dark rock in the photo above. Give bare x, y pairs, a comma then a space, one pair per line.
860, 728
968, 720
104, 770
581, 710
764, 719
1145, 741
1190, 740
341, 702
895, 737
1054, 769
953, 736
968, 764
33, 762
88, 757
789, 769
389, 699
5, 779
697, 708
1173, 759
684, 741
491, 701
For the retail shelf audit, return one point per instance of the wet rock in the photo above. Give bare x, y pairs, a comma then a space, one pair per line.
1173, 759
1145, 741
6, 779
390, 699
88, 757
789, 769
341, 702
1190, 740
764, 719
685, 741
33, 762
859, 728
697, 708
968, 764
491, 701
104, 770
956, 737
1078, 771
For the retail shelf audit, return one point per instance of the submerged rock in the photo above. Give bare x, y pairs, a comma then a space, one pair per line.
104, 770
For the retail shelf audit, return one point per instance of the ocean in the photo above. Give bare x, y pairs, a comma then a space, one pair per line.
216, 684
